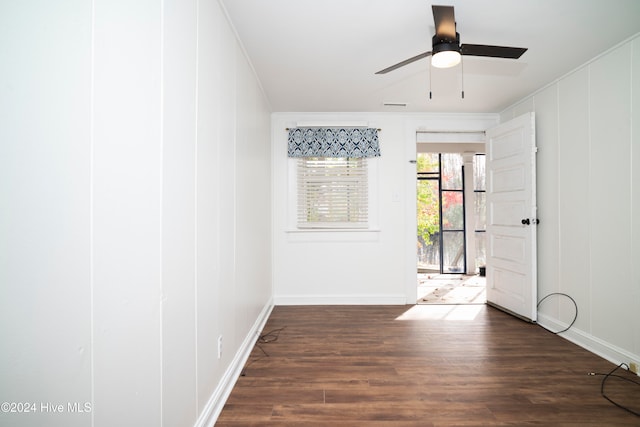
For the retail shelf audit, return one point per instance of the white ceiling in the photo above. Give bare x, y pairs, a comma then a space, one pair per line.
321, 55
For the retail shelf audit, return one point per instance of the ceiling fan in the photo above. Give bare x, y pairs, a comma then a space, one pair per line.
446, 48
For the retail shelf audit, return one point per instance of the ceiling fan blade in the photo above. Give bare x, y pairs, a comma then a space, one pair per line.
492, 51
445, 20
405, 62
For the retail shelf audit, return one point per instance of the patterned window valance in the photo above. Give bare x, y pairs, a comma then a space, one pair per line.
333, 142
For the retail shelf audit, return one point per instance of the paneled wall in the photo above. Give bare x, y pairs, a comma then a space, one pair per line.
356, 267
588, 134
133, 230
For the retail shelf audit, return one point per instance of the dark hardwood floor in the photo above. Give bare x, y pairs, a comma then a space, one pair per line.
421, 366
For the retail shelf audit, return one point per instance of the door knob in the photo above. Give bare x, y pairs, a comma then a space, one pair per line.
525, 221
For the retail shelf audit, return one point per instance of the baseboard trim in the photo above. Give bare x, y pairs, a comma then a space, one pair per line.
606, 350
220, 395
340, 300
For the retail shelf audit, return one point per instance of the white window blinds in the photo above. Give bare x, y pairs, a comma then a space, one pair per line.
332, 192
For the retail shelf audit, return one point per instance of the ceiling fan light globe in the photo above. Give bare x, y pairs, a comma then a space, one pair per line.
446, 59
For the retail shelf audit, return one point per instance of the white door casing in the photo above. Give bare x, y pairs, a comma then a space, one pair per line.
511, 217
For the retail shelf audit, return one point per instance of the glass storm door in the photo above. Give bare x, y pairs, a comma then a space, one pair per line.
440, 213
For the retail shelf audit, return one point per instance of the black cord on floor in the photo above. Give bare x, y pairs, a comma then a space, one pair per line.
574, 303
270, 336
267, 338
611, 374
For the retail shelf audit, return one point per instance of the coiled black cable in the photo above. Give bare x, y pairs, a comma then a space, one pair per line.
574, 303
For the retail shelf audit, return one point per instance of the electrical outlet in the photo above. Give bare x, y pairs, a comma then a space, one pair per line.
633, 367
220, 347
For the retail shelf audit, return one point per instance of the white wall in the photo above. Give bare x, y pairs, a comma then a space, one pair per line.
133, 230
374, 267
588, 134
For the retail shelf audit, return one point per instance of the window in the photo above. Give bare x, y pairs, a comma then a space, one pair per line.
333, 177
332, 192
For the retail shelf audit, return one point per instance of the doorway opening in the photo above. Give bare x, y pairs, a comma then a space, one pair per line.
451, 227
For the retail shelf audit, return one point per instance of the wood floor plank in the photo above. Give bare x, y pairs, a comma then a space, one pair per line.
420, 366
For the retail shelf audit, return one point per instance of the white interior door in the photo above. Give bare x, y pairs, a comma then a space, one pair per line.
511, 217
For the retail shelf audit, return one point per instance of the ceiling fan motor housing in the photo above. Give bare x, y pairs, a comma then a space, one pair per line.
441, 44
